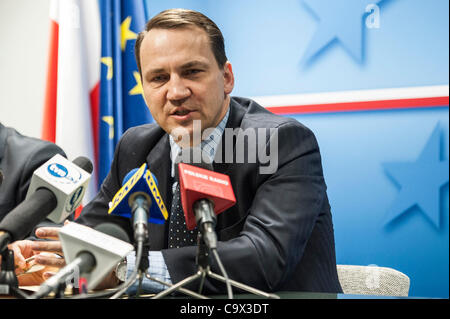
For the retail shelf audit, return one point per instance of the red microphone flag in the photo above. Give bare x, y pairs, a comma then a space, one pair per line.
197, 183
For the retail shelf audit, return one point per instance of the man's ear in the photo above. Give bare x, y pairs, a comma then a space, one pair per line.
228, 78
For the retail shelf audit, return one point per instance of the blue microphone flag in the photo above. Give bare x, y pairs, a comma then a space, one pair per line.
141, 182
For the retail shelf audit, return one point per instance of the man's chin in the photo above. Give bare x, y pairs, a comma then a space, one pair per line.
182, 135
189, 134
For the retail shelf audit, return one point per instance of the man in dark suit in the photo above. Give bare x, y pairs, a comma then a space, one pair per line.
20, 156
279, 235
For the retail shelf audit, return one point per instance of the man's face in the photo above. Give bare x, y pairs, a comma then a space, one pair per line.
181, 79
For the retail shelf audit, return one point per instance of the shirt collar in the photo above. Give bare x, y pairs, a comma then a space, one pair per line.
208, 145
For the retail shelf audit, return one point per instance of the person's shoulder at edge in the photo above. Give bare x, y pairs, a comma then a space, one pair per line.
30, 144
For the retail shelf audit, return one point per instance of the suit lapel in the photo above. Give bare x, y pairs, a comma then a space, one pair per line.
158, 161
237, 112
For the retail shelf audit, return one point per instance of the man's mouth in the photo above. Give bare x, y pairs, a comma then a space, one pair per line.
181, 112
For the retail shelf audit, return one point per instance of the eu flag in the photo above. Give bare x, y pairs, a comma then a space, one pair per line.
121, 103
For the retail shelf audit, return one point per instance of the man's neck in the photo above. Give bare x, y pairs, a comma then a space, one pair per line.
200, 134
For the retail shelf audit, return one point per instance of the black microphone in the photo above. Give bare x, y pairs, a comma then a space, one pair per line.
204, 194
94, 253
57, 188
67, 180
140, 200
114, 230
140, 207
203, 207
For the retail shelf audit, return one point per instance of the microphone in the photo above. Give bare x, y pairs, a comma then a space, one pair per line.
89, 252
140, 204
136, 198
1, 177
67, 180
204, 194
56, 190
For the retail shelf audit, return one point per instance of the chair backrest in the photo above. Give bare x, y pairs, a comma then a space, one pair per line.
373, 280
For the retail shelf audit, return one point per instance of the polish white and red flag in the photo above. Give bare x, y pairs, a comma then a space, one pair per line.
70, 116
357, 100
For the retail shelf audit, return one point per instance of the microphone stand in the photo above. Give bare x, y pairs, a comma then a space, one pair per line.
183, 290
142, 269
8, 279
204, 269
59, 294
143, 266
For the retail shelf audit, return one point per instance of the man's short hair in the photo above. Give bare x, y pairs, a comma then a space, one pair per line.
182, 18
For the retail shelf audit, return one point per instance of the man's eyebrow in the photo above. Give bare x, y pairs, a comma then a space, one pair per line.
190, 64
194, 64
155, 71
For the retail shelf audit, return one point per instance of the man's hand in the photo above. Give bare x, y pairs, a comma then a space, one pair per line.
53, 246
46, 253
22, 250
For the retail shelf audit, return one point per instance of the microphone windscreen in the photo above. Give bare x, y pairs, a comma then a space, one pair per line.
56, 190
139, 181
113, 230
84, 163
25, 216
107, 250
129, 175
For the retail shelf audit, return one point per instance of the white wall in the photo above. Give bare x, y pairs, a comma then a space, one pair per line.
24, 31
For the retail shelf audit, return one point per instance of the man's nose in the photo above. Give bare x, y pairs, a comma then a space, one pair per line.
177, 90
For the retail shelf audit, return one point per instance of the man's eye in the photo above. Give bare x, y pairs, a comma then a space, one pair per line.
192, 72
158, 78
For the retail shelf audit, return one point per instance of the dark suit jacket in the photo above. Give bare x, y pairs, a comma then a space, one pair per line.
20, 156
279, 235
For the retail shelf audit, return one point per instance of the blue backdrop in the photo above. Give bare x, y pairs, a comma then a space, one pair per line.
370, 158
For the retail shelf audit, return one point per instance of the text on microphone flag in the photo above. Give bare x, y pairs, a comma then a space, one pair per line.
67, 180
141, 181
197, 183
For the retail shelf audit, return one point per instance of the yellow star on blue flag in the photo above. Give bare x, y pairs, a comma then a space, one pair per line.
126, 33
121, 101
